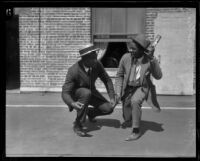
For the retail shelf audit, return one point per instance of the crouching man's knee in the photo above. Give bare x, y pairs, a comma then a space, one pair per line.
109, 109
83, 94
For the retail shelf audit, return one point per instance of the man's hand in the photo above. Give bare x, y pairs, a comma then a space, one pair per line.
117, 97
150, 52
115, 101
112, 102
77, 105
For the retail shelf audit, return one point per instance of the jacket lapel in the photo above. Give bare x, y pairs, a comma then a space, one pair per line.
83, 74
129, 65
144, 69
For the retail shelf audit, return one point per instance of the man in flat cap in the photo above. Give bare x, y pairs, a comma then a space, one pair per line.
79, 91
134, 85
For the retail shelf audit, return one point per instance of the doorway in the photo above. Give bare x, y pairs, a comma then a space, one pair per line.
12, 53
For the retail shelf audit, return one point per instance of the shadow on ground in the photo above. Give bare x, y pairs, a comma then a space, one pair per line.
145, 125
150, 125
100, 123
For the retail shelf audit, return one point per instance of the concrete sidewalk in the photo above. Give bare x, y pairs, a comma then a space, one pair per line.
48, 131
53, 98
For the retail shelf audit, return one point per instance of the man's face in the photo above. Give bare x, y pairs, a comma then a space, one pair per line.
136, 50
90, 60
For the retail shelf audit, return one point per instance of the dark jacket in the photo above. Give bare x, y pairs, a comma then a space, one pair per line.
147, 68
77, 77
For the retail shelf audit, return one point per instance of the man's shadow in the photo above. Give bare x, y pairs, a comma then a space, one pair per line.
150, 125
145, 125
100, 123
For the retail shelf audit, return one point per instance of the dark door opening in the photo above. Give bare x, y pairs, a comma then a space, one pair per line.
12, 53
113, 54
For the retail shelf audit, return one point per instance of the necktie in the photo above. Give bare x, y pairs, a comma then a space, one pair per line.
89, 71
137, 72
132, 74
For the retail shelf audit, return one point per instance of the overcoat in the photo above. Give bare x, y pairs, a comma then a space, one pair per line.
148, 68
77, 78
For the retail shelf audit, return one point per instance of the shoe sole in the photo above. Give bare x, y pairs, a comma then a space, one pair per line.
80, 134
131, 139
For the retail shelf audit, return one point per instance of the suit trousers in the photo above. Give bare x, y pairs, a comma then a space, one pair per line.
85, 96
132, 106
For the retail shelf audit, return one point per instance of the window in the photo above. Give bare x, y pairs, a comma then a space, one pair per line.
111, 28
113, 54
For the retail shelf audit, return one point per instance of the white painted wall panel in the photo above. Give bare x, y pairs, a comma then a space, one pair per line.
177, 50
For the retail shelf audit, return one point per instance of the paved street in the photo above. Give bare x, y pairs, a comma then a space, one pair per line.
51, 98
40, 131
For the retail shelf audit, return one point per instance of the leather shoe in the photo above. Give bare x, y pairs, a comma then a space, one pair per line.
133, 136
92, 119
78, 131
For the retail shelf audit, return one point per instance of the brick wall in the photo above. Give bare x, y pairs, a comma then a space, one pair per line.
51, 37
49, 41
31, 68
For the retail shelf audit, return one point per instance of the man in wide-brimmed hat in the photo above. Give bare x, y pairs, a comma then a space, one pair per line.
79, 91
133, 83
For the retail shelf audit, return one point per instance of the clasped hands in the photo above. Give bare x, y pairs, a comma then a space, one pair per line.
115, 101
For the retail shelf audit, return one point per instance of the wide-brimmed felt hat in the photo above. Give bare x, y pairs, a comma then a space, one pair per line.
141, 40
87, 49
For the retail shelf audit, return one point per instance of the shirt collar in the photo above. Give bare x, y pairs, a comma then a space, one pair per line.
139, 60
86, 68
